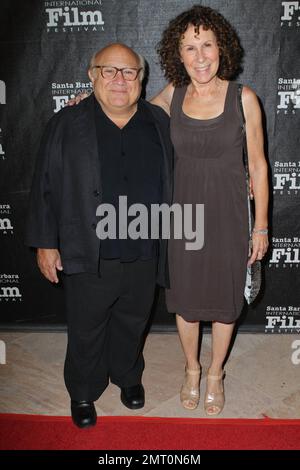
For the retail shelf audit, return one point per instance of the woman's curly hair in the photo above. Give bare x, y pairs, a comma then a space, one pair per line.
231, 52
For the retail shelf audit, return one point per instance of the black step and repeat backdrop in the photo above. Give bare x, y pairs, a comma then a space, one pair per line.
45, 47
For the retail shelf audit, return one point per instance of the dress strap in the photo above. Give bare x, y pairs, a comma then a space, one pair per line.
177, 100
229, 105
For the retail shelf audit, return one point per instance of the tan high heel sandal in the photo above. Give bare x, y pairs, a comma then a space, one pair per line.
189, 395
214, 401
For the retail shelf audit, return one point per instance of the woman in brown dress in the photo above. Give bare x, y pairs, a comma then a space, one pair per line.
200, 55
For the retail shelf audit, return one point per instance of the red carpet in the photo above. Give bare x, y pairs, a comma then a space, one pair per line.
33, 432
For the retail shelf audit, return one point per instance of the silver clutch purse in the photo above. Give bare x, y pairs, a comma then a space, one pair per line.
253, 274
253, 280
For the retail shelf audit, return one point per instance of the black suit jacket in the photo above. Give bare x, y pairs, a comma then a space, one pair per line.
66, 188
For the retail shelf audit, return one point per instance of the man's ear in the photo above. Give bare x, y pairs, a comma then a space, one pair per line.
91, 74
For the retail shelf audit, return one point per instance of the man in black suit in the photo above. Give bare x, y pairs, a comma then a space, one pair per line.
112, 144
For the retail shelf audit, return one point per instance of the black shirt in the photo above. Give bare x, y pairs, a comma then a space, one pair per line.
131, 165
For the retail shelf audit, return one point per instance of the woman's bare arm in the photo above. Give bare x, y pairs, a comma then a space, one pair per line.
258, 170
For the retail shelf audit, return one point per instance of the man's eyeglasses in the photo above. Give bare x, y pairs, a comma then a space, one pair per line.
108, 72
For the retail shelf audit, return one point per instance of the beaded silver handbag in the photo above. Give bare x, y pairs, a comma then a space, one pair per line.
253, 274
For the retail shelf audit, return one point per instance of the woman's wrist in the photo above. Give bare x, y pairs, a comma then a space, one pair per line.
260, 231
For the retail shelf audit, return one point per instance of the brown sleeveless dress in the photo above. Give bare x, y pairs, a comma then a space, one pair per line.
208, 284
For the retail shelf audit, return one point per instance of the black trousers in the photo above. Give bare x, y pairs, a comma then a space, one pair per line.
106, 319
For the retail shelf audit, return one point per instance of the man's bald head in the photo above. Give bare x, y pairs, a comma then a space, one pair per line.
118, 50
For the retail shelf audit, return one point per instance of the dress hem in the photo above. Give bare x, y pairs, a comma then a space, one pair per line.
221, 316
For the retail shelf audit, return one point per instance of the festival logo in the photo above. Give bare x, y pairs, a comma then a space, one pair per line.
288, 95
286, 178
10, 288
63, 92
282, 319
74, 16
290, 14
6, 227
285, 252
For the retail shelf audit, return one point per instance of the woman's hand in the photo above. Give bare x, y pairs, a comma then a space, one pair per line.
77, 99
260, 244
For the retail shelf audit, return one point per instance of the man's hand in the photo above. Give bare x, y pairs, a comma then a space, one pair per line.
49, 261
77, 99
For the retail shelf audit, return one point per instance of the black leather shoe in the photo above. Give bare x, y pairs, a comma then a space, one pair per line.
83, 413
133, 397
